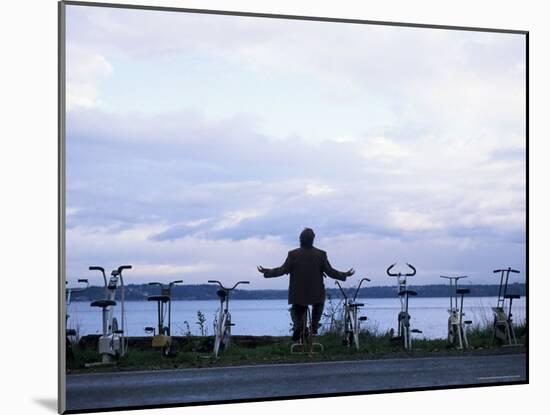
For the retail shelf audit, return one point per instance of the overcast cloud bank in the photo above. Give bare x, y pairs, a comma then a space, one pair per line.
200, 146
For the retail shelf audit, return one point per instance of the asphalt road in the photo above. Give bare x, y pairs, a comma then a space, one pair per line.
108, 390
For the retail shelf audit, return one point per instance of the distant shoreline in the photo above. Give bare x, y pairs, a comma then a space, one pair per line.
201, 292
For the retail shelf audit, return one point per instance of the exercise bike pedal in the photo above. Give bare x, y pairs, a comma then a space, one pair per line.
363, 318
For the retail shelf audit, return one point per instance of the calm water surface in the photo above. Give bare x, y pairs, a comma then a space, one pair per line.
271, 317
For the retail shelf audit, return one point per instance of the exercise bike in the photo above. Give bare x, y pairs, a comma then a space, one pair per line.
223, 322
306, 343
503, 327
352, 322
456, 326
163, 337
112, 343
404, 330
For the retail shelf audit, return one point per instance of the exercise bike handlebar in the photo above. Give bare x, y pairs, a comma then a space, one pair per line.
400, 274
453, 278
341, 290
240, 282
102, 270
122, 267
356, 291
359, 286
515, 271
170, 283
225, 288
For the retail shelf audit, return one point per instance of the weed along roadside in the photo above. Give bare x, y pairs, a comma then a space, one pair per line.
196, 351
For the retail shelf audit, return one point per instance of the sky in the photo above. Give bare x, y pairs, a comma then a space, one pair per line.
199, 146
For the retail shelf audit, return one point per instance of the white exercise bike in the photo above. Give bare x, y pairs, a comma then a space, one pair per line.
352, 321
223, 320
112, 343
404, 330
456, 325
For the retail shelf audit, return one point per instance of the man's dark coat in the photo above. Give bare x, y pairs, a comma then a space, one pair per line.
306, 267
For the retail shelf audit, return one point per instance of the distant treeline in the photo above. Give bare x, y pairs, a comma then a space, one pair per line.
136, 292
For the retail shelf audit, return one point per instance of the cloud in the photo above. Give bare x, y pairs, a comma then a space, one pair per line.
231, 220
404, 145
191, 188
318, 189
85, 70
169, 270
393, 75
384, 149
413, 221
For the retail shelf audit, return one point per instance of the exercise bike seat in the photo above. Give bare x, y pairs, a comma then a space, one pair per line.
512, 296
463, 291
162, 298
102, 303
407, 292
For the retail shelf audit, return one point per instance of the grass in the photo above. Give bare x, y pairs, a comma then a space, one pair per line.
196, 351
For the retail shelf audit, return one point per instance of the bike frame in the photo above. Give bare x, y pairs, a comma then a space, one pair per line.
223, 327
161, 311
112, 342
351, 320
307, 343
403, 319
503, 326
163, 339
456, 326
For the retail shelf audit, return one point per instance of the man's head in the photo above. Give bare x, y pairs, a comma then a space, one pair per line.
306, 238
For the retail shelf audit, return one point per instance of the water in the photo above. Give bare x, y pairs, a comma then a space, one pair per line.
271, 317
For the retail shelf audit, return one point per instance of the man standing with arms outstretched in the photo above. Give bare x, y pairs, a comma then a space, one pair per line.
306, 266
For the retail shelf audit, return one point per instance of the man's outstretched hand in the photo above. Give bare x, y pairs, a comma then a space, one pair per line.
261, 269
350, 272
